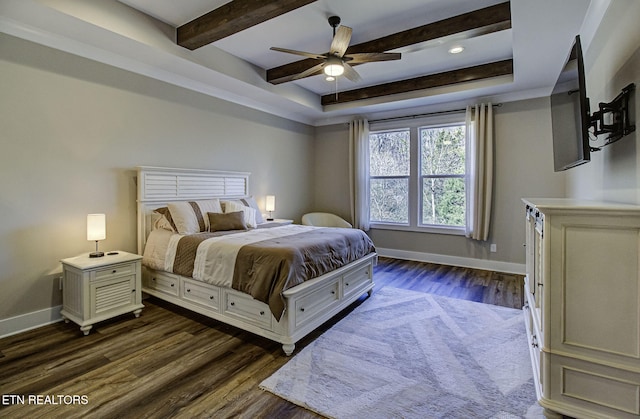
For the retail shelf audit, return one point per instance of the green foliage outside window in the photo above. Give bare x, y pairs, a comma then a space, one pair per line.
441, 170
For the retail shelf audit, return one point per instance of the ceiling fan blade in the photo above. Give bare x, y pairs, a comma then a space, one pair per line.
368, 57
303, 53
341, 41
350, 73
308, 72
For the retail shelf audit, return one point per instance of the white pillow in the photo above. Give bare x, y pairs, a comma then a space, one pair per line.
191, 216
249, 213
251, 202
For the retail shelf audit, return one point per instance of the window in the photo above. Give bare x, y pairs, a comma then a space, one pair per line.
417, 177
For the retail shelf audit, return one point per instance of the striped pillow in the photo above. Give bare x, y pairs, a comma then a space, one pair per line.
190, 217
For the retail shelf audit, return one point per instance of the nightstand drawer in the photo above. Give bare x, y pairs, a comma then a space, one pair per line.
203, 294
115, 271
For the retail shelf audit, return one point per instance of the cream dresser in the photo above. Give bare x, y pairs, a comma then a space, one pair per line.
96, 289
582, 307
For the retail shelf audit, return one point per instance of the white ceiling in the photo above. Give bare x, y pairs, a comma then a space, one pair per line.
138, 35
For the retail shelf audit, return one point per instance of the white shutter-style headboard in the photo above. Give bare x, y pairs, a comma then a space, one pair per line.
158, 186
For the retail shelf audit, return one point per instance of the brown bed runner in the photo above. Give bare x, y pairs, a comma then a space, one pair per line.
265, 269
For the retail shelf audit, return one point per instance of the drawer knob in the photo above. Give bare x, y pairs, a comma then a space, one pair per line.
211, 297
262, 313
232, 303
133, 290
188, 290
153, 279
333, 292
301, 308
173, 285
347, 284
114, 271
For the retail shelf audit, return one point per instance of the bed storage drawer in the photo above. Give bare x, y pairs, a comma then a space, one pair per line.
244, 307
163, 282
307, 307
356, 281
203, 294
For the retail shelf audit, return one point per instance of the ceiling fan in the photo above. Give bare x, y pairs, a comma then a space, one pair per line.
335, 62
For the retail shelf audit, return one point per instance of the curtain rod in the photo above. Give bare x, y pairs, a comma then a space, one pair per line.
398, 118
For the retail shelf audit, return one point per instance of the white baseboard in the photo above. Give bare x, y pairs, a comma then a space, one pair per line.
489, 265
28, 321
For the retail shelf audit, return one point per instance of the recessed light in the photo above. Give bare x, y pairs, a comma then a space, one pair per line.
456, 50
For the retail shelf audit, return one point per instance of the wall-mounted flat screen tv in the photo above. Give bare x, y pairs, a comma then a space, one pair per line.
570, 117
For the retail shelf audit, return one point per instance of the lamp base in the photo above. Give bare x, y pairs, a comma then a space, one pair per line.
96, 254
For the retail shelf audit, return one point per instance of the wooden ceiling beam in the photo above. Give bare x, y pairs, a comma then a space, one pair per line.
462, 75
468, 25
231, 18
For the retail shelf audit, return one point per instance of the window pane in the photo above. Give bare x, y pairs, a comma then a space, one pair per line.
389, 153
443, 201
389, 200
442, 150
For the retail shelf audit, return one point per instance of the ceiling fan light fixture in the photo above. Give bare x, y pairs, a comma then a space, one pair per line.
334, 67
330, 78
456, 50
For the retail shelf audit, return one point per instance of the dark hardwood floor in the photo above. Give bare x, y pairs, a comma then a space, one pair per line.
172, 363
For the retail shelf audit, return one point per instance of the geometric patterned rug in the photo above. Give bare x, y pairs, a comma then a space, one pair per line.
408, 354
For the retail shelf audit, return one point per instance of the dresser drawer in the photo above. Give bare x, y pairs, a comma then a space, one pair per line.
164, 283
356, 281
115, 271
246, 308
203, 294
307, 307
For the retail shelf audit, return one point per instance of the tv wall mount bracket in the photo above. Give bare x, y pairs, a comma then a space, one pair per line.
613, 117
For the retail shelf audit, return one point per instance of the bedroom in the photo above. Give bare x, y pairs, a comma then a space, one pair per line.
75, 129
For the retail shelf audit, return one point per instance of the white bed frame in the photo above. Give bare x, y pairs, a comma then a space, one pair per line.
307, 305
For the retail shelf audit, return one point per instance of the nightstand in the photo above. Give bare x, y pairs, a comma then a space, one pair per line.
279, 221
96, 289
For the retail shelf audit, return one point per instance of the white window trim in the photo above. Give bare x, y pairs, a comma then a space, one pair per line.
414, 176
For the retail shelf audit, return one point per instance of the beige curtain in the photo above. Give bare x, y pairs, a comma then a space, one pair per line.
359, 173
479, 128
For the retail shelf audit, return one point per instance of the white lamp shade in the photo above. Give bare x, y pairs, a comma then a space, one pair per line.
270, 203
96, 227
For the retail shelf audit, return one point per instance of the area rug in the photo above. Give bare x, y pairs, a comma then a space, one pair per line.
407, 354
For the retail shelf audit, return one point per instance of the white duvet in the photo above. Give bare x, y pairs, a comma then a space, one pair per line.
215, 257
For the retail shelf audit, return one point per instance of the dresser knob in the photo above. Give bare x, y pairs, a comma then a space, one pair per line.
188, 290
133, 290
262, 313
173, 285
302, 309
211, 297
114, 271
232, 303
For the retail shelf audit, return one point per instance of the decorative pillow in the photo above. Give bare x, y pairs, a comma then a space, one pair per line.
249, 213
190, 217
226, 221
161, 218
250, 202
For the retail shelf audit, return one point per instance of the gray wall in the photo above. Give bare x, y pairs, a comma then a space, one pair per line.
73, 131
523, 168
612, 61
